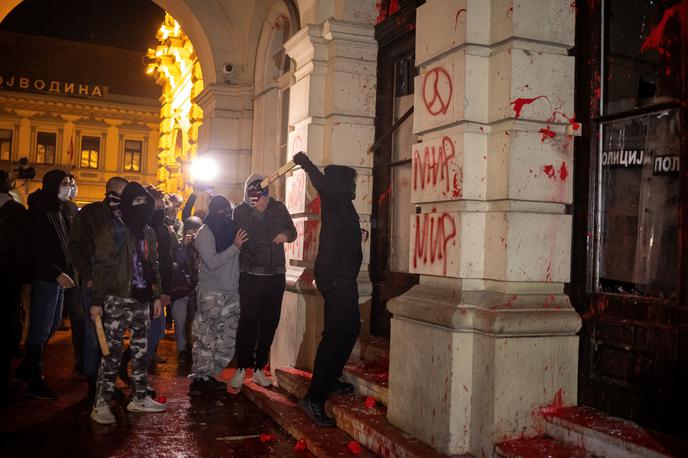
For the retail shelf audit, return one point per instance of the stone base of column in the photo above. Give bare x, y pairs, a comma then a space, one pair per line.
468, 369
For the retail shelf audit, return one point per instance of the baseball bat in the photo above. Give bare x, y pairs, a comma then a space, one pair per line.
101, 336
278, 173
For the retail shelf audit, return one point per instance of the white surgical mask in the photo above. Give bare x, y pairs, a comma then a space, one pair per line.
63, 193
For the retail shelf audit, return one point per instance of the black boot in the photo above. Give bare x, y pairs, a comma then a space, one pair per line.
339, 387
91, 394
316, 410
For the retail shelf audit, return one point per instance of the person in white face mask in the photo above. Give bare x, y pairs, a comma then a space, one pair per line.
51, 273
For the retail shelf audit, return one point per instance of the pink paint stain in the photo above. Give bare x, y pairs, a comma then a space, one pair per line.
520, 102
546, 133
458, 13
655, 39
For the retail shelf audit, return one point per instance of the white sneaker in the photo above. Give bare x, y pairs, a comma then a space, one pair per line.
147, 404
261, 379
238, 379
102, 414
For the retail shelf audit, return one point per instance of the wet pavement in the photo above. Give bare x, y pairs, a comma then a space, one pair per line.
210, 426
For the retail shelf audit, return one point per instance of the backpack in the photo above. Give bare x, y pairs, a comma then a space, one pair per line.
184, 279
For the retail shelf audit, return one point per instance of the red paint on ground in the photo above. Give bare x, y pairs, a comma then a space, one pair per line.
556, 405
563, 172
267, 437
547, 133
370, 402
354, 447
537, 447
520, 102
655, 39
300, 446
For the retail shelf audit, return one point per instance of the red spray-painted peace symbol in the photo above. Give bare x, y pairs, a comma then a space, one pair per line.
438, 93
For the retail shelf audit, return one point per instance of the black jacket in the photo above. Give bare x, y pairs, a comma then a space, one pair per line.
87, 224
259, 255
339, 251
14, 254
48, 231
166, 243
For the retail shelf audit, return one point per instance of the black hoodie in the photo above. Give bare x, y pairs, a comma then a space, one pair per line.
339, 252
48, 231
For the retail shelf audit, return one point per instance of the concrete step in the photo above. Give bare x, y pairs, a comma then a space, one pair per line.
538, 447
322, 442
603, 435
366, 422
369, 378
372, 349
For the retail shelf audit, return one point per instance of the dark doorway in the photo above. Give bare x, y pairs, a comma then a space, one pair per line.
629, 259
389, 264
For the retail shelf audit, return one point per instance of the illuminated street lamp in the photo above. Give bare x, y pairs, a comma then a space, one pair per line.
203, 169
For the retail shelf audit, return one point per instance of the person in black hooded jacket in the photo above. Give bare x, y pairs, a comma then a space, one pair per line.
51, 274
336, 269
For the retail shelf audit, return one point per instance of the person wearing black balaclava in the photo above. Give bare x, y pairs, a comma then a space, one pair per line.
336, 268
126, 286
262, 281
13, 274
51, 272
217, 310
87, 223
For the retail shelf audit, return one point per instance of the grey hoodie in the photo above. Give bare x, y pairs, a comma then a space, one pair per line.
219, 271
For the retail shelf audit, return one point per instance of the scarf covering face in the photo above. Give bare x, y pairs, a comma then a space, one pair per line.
136, 217
220, 222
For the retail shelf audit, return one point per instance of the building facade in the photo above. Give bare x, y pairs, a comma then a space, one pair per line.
524, 194
74, 106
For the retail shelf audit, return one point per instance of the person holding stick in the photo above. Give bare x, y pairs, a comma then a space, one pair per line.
336, 269
126, 279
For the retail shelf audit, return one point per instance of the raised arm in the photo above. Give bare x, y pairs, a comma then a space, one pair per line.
314, 173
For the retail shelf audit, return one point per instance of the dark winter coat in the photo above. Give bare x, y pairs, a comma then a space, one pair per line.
13, 249
339, 251
48, 231
87, 224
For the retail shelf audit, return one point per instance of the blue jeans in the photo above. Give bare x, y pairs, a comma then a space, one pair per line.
179, 314
46, 316
155, 335
91, 354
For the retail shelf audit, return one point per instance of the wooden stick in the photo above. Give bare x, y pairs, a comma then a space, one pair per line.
101, 336
237, 438
389, 133
276, 176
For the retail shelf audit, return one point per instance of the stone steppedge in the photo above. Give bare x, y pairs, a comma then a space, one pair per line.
596, 442
366, 387
369, 426
553, 447
322, 442
486, 312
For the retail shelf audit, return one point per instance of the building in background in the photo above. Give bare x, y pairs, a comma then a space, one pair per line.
86, 108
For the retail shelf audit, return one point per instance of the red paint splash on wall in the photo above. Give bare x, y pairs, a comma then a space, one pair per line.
520, 102
563, 172
556, 405
384, 195
546, 133
550, 171
456, 190
458, 13
655, 39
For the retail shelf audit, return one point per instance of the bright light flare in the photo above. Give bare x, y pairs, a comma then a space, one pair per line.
203, 169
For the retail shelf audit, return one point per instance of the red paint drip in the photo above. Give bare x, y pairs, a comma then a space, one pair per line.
456, 191
300, 446
563, 172
550, 171
556, 405
458, 13
267, 437
520, 102
370, 402
655, 39
384, 195
314, 206
354, 447
546, 133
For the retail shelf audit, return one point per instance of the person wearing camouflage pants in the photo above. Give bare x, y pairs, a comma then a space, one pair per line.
217, 309
120, 314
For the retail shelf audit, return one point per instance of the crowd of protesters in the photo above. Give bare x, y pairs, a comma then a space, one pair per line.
121, 262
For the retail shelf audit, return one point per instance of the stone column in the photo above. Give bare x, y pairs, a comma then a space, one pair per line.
488, 337
331, 117
225, 134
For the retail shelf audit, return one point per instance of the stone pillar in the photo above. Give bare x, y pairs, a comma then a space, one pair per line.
331, 116
488, 337
225, 134
110, 150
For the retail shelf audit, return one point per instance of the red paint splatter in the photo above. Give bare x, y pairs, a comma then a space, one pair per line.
520, 102
384, 195
458, 13
550, 171
546, 133
655, 39
456, 190
598, 93
162, 399
314, 206
370, 402
556, 405
563, 172
354, 447
300, 446
267, 437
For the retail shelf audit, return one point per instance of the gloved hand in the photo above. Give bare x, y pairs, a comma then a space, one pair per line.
300, 158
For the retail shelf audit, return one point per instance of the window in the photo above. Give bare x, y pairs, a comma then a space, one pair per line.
45, 147
132, 155
5, 144
90, 151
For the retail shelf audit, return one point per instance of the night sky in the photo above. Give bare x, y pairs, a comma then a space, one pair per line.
129, 24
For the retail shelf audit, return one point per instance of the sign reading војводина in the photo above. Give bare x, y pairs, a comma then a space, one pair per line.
25, 83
